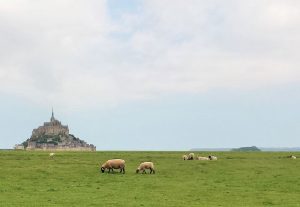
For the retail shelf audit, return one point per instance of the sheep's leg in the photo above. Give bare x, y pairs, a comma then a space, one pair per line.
123, 170
151, 170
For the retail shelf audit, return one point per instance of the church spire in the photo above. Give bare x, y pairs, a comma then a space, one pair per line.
52, 117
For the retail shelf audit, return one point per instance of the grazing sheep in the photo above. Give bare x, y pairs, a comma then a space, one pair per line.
211, 157
146, 165
184, 157
191, 156
51, 154
203, 158
113, 164
293, 157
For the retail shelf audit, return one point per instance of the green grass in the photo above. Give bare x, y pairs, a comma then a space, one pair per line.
73, 179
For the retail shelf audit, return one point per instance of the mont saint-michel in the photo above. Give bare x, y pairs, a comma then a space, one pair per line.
54, 136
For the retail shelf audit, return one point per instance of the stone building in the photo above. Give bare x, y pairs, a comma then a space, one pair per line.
19, 147
55, 136
53, 127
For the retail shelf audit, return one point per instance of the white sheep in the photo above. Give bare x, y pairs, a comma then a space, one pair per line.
146, 165
211, 157
293, 157
203, 158
191, 156
184, 157
113, 164
52, 154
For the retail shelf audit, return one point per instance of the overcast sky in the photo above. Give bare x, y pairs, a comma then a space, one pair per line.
152, 74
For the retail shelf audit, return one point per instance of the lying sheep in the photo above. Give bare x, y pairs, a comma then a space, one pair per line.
191, 156
146, 165
184, 157
113, 164
203, 158
51, 154
211, 157
293, 157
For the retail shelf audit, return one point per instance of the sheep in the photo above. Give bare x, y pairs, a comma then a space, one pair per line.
146, 165
203, 158
51, 154
191, 156
293, 157
114, 164
184, 157
211, 157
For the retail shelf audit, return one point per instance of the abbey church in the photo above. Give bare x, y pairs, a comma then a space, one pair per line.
55, 136
54, 127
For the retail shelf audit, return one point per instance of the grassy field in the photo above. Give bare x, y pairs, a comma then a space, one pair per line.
73, 179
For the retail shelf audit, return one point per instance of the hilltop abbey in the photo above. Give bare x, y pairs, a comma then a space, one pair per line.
54, 127
54, 136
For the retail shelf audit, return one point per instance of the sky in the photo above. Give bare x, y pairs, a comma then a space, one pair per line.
152, 74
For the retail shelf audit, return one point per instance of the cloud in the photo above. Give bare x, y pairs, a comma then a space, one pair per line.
76, 54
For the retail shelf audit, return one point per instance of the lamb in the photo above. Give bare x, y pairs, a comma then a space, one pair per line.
184, 157
51, 154
146, 165
114, 164
203, 158
211, 157
191, 156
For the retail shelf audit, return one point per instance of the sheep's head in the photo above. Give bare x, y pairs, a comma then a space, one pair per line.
137, 170
102, 169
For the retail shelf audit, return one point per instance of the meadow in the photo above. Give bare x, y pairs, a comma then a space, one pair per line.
73, 179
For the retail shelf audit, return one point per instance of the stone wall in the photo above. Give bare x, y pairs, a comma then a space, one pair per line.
63, 149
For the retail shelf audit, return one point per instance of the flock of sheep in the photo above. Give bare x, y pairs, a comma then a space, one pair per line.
191, 156
120, 164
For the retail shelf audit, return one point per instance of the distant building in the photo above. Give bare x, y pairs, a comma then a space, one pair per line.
55, 136
19, 147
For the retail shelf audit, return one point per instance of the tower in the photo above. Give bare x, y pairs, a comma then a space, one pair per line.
52, 117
